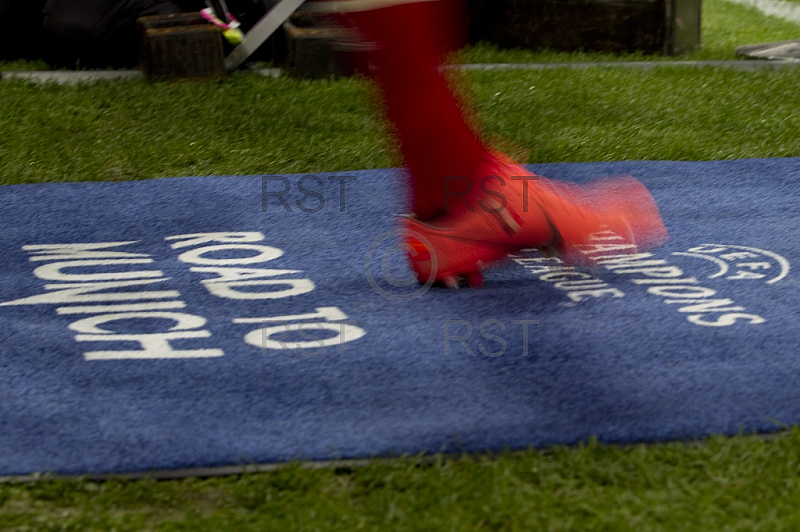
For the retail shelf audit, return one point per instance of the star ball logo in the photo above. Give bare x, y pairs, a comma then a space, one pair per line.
740, 263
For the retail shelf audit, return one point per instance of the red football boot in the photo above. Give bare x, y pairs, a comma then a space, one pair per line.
516, 209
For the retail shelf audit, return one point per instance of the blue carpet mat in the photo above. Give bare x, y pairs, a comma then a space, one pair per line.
195, 322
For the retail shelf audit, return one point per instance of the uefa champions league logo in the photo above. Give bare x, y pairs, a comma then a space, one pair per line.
740, 263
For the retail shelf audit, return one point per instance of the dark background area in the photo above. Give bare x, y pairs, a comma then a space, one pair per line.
93, 33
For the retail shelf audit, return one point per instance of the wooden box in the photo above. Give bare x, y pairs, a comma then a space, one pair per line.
181, 46
319, 51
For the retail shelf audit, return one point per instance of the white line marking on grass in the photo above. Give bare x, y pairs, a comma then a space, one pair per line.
776, 8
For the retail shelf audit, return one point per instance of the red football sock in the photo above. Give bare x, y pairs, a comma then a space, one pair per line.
439, 148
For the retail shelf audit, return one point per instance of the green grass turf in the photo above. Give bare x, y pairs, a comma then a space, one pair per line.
742, 483
254, 125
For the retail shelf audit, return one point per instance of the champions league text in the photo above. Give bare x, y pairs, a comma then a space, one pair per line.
699, 304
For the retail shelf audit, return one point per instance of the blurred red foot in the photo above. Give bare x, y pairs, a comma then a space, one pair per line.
515, 209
